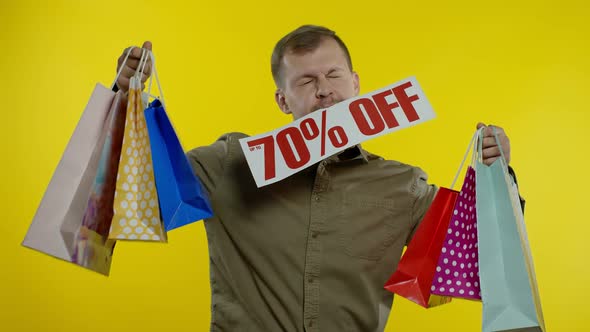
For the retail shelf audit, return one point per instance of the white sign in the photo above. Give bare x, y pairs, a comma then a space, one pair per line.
282, 152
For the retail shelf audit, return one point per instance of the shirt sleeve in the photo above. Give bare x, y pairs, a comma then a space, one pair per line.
423, 197
208, 162
513, 175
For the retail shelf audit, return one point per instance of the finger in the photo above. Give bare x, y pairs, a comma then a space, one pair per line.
489, 131
123, 83
126, 51
147, 45
128, 72
121, 59
131, 59
499, 130
480, 124
147, 69
491, 141
135, 54
144, 77
134, 64
494, 152
146, 73
491, 152
490, 161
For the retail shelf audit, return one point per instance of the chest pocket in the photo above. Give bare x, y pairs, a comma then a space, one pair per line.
371, 224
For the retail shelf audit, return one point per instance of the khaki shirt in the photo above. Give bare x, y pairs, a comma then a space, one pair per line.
313, 251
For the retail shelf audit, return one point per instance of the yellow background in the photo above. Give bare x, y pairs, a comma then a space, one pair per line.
523, 66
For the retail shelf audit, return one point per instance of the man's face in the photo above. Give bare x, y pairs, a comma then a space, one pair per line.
315, 80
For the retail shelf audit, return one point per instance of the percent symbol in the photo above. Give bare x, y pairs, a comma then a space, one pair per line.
308, 130
293, 140
336, 134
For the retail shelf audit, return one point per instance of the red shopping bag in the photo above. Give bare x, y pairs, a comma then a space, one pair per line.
416, 269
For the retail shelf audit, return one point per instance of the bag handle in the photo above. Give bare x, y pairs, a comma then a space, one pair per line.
155, 72
142, 63
122, 66
477, 152
135, 80
145, 55
465, 157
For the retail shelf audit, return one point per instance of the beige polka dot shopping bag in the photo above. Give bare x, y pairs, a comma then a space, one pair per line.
136, 209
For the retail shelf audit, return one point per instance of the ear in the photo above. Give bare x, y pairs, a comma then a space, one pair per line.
282, 101
356, 83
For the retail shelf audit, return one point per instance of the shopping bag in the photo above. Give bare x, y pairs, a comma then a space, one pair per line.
59, 216
457, 273
415, 271
136, 208
508, 286
91, 244
181, 196
429, 266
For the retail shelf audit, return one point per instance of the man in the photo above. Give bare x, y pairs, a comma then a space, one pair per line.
311, 252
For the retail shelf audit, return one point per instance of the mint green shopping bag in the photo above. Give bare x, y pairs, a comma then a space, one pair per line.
508, 285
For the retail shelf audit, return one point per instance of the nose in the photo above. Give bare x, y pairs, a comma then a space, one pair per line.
323, 88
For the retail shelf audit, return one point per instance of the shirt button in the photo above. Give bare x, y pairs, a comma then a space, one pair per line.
316, 198
314, 234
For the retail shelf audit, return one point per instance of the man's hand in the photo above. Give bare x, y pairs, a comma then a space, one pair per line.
131, 66
490, 149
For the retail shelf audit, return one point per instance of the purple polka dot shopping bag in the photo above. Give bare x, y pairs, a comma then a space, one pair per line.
457, 273
441, 259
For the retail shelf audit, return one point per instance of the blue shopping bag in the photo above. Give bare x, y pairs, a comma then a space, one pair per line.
182, 198
508, 285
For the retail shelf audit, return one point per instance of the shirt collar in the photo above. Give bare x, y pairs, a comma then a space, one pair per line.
353, 153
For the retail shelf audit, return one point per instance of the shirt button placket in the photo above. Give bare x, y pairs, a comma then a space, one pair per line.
313, 254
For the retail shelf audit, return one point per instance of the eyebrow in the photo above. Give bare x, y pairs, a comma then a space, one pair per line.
308, 75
